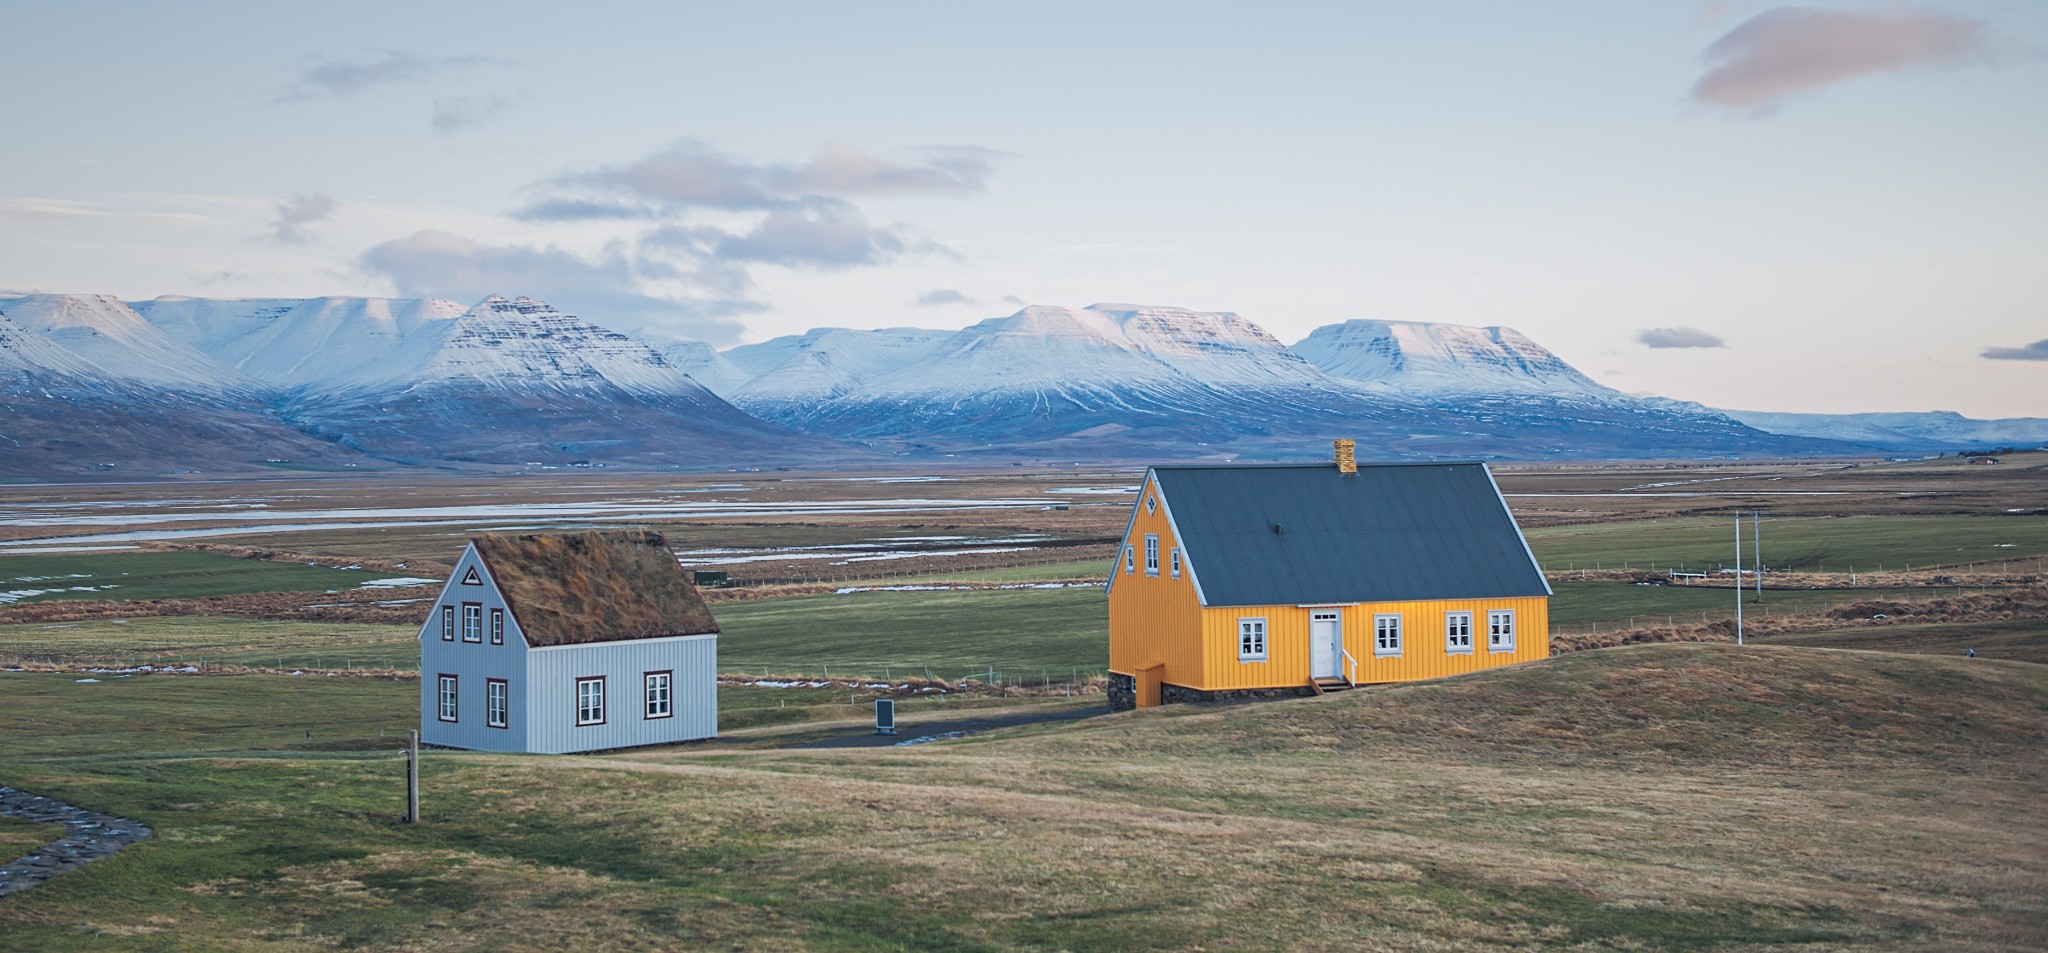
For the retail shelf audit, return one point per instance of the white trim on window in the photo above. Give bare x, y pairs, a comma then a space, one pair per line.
1386, 634
1173, 554
1251, 639
1458, 633
1151, 502
497, 627
590, 700
473, 622
1130, 559
447, 623
444, 691
1151, 554
660, 695
497, 703
1500, 630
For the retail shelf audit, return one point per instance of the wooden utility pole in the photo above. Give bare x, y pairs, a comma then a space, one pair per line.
412, 780
1738, 579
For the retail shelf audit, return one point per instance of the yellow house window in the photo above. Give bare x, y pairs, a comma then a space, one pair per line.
1500, 630
1130, 560
1386, 635
1458, 633
1174, 553
1251, 640
1151, 555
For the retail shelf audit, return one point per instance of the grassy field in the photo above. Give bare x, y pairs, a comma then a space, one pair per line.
1656, 797
1578, 603
1835, 544
255, 642
1020, 632
137, 576
2020, 640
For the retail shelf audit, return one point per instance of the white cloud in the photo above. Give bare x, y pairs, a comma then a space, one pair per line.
1678, 337
298, 211
1787, 50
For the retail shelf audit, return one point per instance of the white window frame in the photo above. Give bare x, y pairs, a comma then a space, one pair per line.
1386, 634
497, 703
497, 627
473, 622
447, 623
1251, 639
445, 697
1151, 554
1151, 503
659, 695
584, 708
1173, 556
1130, 559
1458, 633
1500, 630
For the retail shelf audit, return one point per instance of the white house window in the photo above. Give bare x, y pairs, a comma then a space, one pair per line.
1151, 554
497, 627
447, 623
1500, 630
1151, 503
1458, 633
447, 698
1386, 635
497, 703
1130, 560
660, 694
1174, 554
472, 622
1251, 640
590, 701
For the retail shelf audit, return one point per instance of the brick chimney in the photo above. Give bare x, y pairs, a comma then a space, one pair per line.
1347, 462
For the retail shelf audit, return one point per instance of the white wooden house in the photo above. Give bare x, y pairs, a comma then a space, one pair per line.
568, 642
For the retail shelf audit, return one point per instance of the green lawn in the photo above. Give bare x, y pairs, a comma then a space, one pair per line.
1084, 569
1816, 543
1606, 800
2022, 640
171, 639
137, 576
1579, 603
1020, 632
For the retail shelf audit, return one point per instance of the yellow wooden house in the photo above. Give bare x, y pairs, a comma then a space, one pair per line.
1262, 581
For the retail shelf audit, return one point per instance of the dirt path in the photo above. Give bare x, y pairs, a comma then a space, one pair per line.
928, 731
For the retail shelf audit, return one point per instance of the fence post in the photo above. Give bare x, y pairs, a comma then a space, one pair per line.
412, 779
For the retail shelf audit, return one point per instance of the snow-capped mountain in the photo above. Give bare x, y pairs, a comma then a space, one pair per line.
62, 415
703, 363
104, 332
1930, 430
799, 370
1115, 378
1420, 359
315, 342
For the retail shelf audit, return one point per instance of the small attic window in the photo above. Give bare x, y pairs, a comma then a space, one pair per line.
1151, 503
471, 578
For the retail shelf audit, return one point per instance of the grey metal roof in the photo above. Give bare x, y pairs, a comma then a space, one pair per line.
1390, 532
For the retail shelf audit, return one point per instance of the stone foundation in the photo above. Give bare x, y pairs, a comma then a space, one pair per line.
1123, 692
1176, 695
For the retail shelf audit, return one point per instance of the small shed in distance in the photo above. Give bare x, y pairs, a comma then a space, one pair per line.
556, 643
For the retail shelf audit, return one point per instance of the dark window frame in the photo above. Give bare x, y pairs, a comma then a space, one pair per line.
448, 703
646, 690
505, 717
603, 700
447, 623
497, 626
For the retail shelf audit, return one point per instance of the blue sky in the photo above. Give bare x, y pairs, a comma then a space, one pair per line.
1834, 208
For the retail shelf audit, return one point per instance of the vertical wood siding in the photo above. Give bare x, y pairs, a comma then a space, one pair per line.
551, 693
1423, 648
541, 710
1155, 619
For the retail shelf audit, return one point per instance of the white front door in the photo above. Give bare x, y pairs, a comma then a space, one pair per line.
1325, 645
